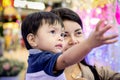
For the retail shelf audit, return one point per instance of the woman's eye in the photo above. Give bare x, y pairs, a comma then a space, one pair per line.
64, 35
79, 32
52, 31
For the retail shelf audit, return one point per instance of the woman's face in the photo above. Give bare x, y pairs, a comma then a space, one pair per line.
73, 33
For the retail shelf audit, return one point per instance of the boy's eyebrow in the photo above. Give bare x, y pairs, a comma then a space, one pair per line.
52, 26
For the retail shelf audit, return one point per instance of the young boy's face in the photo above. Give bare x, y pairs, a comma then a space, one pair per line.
73, 33
49, 38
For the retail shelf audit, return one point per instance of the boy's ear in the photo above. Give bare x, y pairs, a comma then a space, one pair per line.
31, 39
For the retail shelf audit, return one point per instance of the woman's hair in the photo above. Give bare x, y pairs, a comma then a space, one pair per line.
67, 14
92, 68
33, 21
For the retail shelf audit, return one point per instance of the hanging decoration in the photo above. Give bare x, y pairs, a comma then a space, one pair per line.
99, 3
117, 14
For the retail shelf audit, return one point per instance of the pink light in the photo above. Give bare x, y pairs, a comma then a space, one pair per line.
117, 14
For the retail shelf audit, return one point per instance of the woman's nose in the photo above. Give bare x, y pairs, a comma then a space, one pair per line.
73, 41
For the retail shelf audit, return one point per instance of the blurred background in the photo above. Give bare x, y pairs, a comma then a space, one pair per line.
12, 47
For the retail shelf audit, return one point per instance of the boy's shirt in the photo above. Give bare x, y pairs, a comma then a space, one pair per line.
41, 66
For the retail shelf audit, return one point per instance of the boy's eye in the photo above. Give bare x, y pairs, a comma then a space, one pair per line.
52, 31
62, 34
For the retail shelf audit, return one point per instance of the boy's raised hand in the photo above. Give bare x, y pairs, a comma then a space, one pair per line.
97, 37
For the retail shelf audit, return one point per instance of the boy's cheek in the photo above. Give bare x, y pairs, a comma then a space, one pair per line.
64, 44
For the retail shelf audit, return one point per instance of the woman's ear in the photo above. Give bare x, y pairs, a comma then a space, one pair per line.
31, 39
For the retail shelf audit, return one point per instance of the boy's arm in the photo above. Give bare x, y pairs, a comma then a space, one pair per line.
77, 52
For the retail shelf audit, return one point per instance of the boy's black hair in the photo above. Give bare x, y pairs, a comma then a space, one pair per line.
33, 21
67, 14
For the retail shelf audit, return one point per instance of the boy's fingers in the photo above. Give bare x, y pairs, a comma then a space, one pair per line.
110, 41
98, 25
106, 28
110, 37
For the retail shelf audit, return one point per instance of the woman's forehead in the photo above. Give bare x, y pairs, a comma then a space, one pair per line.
72, 24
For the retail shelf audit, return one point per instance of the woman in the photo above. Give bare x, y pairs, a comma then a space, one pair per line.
73, 35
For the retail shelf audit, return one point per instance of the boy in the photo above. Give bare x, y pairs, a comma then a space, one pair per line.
42, 33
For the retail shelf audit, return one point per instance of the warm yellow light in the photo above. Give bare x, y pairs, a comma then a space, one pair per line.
10, 11
6, 3
11, 25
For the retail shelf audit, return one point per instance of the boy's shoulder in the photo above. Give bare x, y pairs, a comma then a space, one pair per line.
42, 61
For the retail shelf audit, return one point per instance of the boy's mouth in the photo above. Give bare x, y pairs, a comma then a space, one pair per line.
59, 46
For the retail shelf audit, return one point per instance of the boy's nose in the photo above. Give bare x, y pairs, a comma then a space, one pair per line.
61, 38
